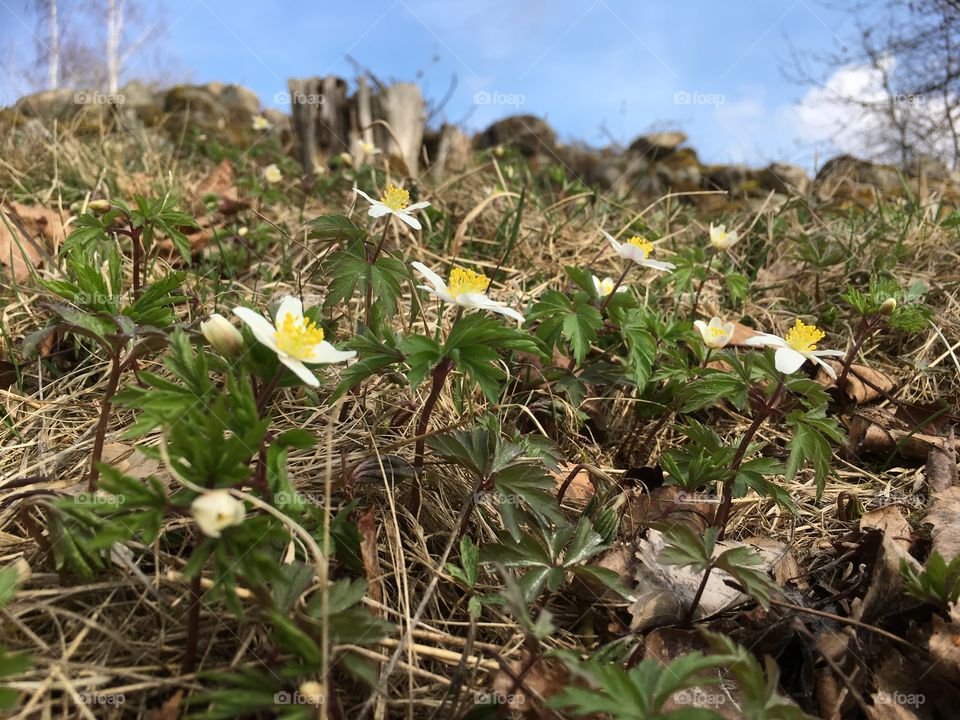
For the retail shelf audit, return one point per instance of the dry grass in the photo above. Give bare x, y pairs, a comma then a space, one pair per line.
125, 633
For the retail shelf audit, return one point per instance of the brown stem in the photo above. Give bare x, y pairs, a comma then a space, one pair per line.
606, 300
723, 513
266, 392
864, 332
106, 403
139, 273
193, 624
371, 259
695, 603
440, 372
706, 275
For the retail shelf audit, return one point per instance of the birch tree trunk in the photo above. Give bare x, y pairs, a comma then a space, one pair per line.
114, 31
53, 62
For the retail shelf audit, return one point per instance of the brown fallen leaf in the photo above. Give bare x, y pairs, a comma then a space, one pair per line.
369, 554
669, 502
944, 515
742, 333
27, 234
579, 489
945, 645
877, 431
541, 679
941, 470
170, 710
886, 593
862, 383
891, 522
131, 462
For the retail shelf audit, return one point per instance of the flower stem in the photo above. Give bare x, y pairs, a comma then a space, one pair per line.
193, 624
139, 262
706, 275
440, 372
106, 404
371, 259
616, 286
864, 331
723, 513
695, 603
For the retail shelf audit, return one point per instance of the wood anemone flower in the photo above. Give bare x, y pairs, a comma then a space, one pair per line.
637, 250
395, 201
296, 340
717, 334
466, 288
606, 286
799, 345
215, 510
721, 239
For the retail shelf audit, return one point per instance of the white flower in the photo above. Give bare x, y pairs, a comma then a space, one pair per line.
466, 288
368, 148
222, 335
259, 122
272, 174
215, 510
720, 238
396, 202
717, 334
798, 346
295, 339
605, 287
637, 250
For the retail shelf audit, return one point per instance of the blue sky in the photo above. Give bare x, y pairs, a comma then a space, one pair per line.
595, 69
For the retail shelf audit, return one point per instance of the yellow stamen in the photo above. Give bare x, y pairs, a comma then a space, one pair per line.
804, 338
717, 332
298, 336
606, 286
395, 198
646, 247
466, 281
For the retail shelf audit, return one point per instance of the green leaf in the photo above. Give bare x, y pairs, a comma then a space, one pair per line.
335, 227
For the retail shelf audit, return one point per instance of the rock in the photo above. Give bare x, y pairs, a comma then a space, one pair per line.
731, 178
847, 169
529, 134
657, 145
783, 178
453, 152
223, 109
929, 167
680, 171
58, 103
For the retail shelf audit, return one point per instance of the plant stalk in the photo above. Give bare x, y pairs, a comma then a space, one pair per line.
106, 404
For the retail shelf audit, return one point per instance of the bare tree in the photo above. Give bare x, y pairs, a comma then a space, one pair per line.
909, 50
48, 49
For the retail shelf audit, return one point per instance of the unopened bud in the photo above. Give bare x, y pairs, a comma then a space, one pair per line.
222, 335
312, 692
888, 306
99, 206
216, 510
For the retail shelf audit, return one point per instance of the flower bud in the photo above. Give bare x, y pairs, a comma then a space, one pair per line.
888, 306
99, 206
312, 692
215, 510
222, 335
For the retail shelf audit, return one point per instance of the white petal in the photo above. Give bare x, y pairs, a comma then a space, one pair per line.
431, 276
788, 360
616, 245
765, 339
657, 264
702, 327
442, 294
365, 196
497, 307
826, 366
828, 353
300, 370
416, 206
325, 353
378, 209
289, 305
408, 219
263, 330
